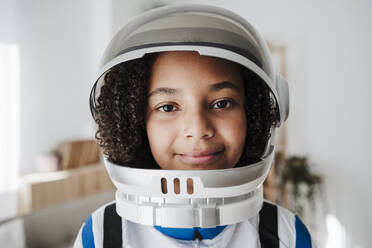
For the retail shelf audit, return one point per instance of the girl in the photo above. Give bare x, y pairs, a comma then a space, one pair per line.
187, 103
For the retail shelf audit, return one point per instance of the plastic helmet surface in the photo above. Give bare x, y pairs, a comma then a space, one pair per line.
218, 197
209, 30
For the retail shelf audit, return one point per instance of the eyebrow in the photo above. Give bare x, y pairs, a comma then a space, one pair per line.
213, 88
163, 90
224, 85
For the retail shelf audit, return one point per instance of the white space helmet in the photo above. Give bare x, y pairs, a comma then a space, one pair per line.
219, 197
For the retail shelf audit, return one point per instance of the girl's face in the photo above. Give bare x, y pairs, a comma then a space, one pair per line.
195, 117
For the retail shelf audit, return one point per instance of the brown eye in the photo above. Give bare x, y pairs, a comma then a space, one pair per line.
167, 108
222, 104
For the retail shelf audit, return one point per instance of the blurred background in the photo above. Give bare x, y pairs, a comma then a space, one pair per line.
51, 177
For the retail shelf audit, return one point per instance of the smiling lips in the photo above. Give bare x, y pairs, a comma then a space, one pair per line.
202, 157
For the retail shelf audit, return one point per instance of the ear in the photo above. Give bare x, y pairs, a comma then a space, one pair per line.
282, 89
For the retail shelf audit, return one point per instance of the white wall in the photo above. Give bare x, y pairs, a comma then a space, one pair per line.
7, 36
7, 21
61, 43
54, 38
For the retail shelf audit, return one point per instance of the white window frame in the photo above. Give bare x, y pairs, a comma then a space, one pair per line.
9, 116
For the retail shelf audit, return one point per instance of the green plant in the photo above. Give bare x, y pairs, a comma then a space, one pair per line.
296, 171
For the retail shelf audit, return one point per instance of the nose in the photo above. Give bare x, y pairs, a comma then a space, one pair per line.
197, 125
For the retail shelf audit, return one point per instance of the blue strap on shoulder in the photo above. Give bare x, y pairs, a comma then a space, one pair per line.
87, 234
303, 239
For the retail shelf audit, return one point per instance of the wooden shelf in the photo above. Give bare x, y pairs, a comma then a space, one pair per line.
40, 190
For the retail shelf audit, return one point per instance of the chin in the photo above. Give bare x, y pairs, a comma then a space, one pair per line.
202, 167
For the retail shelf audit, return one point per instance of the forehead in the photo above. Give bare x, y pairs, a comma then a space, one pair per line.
182, 68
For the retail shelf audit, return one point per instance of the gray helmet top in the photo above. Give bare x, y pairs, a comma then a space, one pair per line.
209, 30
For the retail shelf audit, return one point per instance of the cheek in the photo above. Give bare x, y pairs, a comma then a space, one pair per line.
234, 132
239, 132
160, 139
158, 132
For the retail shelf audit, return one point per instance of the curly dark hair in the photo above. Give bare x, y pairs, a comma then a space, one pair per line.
121, 107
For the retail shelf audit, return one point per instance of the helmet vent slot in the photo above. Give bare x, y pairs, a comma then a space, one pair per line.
190, 186
176, 183
164, 188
